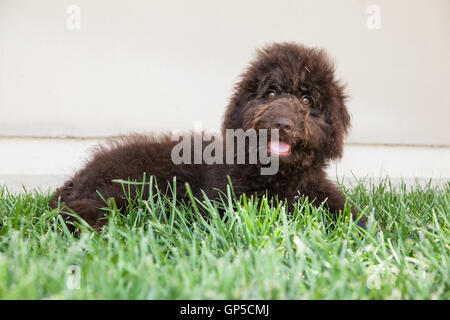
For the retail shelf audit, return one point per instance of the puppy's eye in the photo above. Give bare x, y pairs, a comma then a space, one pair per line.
306, 101
271, 94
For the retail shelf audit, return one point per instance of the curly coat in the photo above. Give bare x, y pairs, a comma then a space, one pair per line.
289, 87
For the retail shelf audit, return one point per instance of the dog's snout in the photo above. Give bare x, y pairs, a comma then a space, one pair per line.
283, 123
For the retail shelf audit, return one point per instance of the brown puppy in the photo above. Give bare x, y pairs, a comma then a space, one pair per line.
288, 87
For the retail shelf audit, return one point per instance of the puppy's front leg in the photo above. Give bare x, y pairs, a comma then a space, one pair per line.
335, 200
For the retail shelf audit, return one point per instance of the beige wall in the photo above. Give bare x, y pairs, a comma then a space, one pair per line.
157, 65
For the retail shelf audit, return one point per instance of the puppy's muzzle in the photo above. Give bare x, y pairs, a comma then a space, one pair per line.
283, 123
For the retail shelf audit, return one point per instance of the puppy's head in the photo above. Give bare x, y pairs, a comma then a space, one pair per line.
292, 88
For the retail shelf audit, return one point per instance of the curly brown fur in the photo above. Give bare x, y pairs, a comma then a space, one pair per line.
289, 87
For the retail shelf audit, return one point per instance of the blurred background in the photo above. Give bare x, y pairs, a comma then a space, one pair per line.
73, 72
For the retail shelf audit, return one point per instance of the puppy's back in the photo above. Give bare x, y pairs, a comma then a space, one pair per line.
125, 158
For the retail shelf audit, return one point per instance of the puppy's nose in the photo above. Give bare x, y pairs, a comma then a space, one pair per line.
283, 123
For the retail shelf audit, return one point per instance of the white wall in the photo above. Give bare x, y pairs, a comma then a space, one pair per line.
159, 65
153, 65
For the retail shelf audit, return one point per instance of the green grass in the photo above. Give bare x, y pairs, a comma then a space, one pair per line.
164, 250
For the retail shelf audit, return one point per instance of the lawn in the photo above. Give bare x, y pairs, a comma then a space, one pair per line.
166, 250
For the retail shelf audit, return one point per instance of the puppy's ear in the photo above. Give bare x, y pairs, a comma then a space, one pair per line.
341, 121
244, 91
233, 112
345, 116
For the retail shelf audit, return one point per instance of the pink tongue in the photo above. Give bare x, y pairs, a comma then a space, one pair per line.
279, 147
